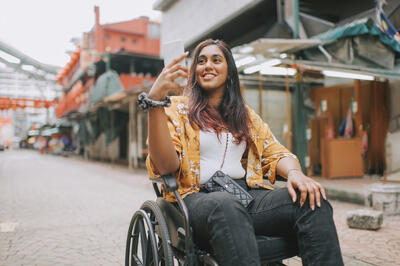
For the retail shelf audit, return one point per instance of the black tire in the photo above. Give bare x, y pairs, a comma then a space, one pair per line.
148, 241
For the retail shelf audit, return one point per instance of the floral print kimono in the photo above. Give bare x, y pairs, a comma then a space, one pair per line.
262, 156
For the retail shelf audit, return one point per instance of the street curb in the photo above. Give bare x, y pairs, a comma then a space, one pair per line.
344, 195
334, 193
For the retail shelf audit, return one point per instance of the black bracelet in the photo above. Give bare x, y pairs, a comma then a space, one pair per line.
145, 103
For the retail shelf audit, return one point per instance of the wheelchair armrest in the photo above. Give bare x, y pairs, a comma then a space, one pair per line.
168, 180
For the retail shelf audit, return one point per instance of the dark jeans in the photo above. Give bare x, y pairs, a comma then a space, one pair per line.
221, 223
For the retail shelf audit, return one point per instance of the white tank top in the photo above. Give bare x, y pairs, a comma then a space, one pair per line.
212, 153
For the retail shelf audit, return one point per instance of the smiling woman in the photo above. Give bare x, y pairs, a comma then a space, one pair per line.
212, 70
215, 91
212, 130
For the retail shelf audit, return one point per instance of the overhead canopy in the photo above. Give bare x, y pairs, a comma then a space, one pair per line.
273, 47
270, 47
357, 44
25, 59
359, 27
107, 84
359, 47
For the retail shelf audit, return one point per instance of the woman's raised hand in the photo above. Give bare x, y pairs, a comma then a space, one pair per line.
165, 81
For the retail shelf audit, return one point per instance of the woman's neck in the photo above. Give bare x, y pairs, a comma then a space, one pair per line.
214, 101
215, 98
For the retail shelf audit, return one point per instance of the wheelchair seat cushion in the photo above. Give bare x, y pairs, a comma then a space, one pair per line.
276, 248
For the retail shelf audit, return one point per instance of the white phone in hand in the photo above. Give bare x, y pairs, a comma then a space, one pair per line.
172, 50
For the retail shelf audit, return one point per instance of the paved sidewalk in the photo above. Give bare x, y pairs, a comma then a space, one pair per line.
359, 247
350, 190
68, 211
365, 247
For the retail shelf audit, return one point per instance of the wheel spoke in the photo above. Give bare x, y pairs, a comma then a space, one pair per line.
149, 254
136, 261
132, 254
143, 241
135, 235
148, 237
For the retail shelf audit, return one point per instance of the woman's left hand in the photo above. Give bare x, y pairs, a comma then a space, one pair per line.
306, 185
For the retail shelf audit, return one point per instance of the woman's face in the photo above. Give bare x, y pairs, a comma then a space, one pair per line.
211, 69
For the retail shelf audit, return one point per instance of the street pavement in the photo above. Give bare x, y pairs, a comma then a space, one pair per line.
68, 211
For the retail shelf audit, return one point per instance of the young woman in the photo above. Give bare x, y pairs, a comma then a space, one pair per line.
213, 129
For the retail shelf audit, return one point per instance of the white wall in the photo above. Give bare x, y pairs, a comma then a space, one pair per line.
189, 19
274, 109
394, 123
392, 148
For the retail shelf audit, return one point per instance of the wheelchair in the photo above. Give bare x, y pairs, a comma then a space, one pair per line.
159, 234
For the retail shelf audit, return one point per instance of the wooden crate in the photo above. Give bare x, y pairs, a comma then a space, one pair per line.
341, 157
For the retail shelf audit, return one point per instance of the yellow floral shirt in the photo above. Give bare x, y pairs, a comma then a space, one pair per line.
263, 154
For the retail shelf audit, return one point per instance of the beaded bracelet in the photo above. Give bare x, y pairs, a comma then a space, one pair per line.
292, 170
145, 103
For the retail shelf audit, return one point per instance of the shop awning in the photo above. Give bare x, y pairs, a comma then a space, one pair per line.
359, 48
270, 47
359, 27
107, 84
273, 47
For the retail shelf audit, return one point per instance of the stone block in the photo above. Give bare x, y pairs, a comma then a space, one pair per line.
364, 219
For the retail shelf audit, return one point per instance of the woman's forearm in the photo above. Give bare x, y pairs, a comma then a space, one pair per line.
287, 164
161, 148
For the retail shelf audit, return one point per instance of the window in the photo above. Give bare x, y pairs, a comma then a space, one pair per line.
123, 39
134, 41
107, 37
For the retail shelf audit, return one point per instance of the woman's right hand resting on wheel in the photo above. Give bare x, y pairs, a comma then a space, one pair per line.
165, 81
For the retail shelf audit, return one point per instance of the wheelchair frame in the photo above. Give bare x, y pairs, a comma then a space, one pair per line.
149, 239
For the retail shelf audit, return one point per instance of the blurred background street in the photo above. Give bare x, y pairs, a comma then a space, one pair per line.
68, 211
324, 75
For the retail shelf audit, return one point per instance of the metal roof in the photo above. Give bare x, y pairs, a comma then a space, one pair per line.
272, 47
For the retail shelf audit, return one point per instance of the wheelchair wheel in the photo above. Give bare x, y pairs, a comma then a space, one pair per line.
148, 241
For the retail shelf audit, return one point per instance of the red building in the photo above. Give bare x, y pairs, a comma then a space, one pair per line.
113, 63
130, 48
137, 36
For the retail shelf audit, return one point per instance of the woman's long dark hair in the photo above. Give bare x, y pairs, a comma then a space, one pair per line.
231, 114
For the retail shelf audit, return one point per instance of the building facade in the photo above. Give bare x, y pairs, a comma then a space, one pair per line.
291, 31
112, 64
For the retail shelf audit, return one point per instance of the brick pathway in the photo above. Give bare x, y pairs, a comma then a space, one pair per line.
380, 247
68, 211
363, 247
